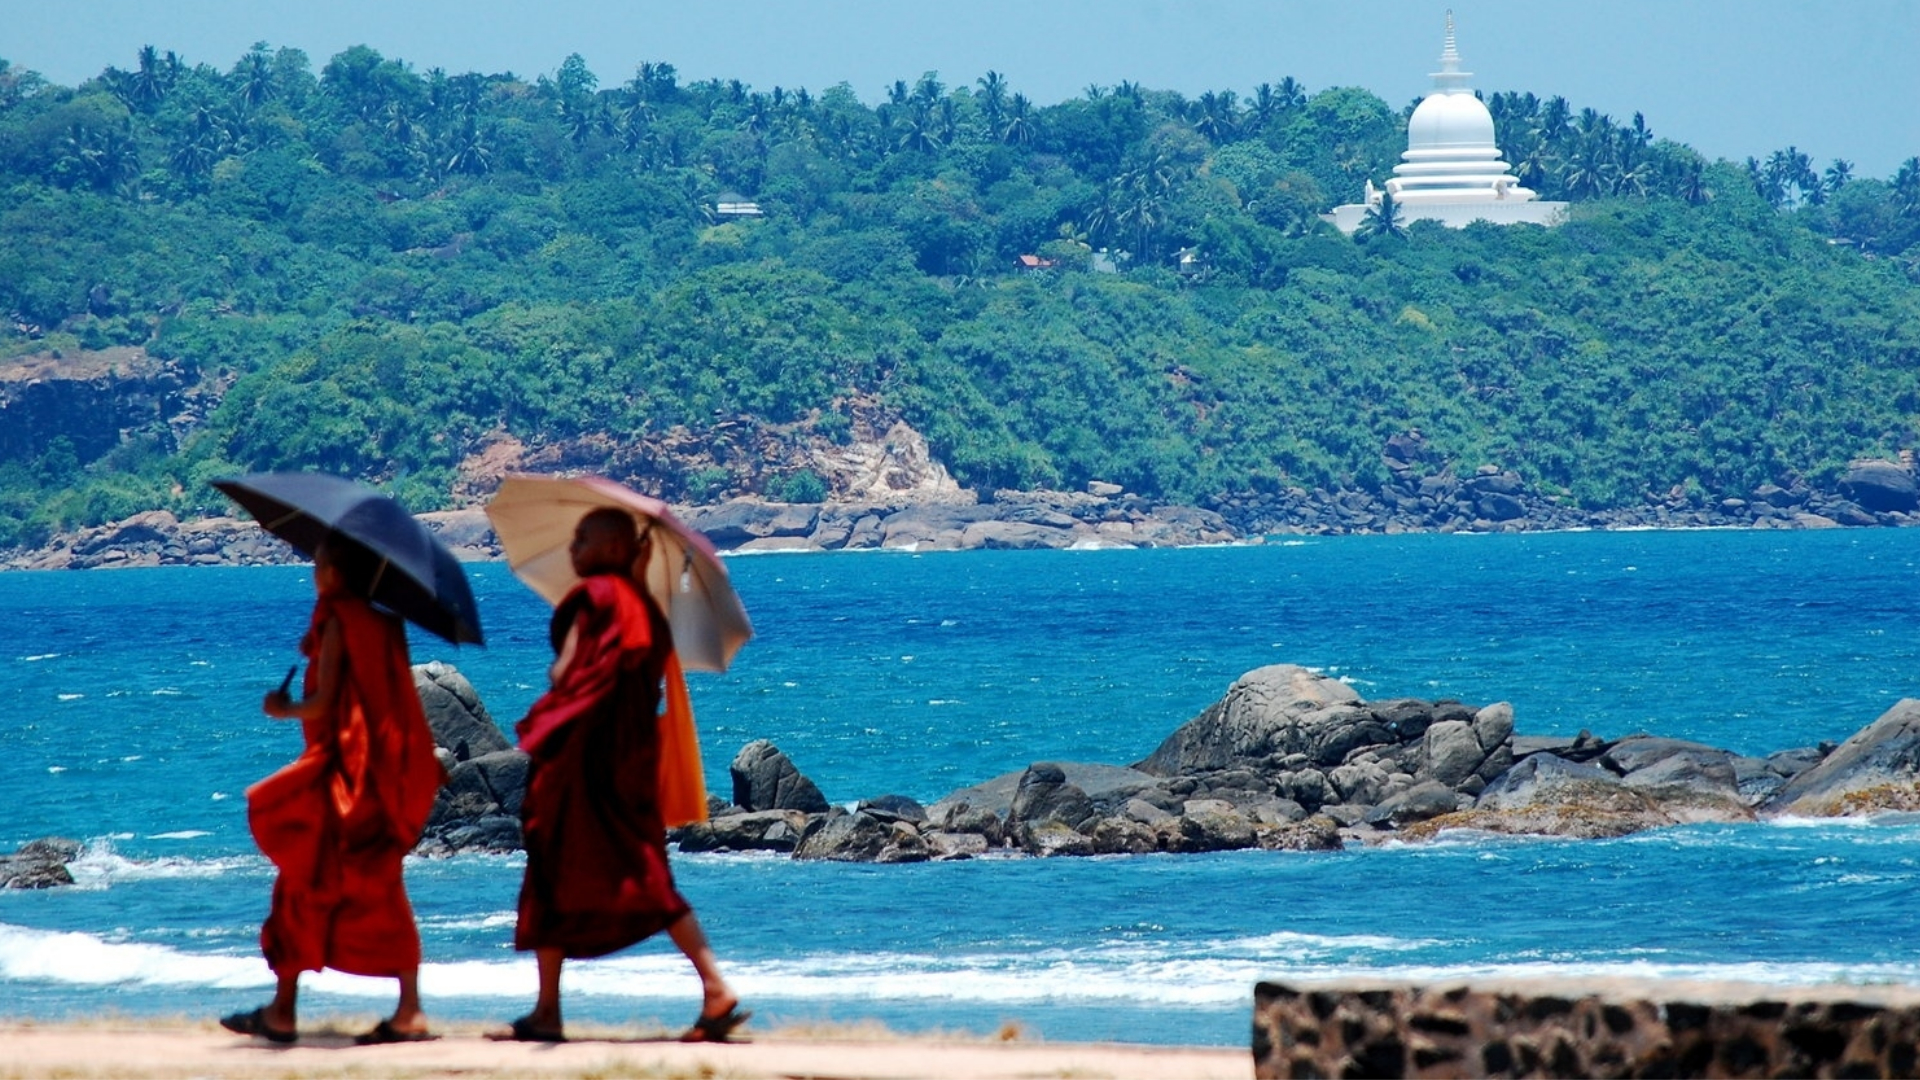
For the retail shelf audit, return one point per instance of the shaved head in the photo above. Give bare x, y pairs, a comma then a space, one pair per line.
604, 542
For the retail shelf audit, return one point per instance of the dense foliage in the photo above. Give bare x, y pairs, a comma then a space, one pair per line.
377, 270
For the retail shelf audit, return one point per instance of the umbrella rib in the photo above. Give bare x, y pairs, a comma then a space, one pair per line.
374, 586
274, 525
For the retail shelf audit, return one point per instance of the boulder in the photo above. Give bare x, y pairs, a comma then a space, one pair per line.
1104, 784
1126, 836
1015, 536
1051, 838
1317, 833
949, 846
1211, 825
904, 845
1545, 795
894, 808
761, 830
39, 864
1260, 716
1418, 803
1453, 752
766, 779
1044, 795
454, 711
1881, 486
1872, 771
842, 837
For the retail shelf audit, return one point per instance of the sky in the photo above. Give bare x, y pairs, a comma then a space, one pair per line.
1731, 78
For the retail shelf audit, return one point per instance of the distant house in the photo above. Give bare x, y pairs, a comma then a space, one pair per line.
1035, 262
1189, 263
733, 207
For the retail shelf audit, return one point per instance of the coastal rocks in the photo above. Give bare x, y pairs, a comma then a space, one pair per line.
756, 830
478, 809
39, 864
765, 779
1583, 1028
1881, 486
1877, 769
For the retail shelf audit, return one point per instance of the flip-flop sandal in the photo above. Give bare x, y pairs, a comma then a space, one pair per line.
716, 1029
384, 1032
522, 1030
255, 1023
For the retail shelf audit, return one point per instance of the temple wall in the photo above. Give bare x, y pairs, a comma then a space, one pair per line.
1584, 1028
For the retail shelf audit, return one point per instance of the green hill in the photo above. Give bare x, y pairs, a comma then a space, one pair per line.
381, 272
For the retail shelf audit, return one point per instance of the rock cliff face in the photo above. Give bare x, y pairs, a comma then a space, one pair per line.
94, 400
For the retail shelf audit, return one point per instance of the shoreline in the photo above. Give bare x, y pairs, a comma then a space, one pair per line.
160, 1050
1059, 521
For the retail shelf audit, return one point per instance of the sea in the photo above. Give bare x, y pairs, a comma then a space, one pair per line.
130, 720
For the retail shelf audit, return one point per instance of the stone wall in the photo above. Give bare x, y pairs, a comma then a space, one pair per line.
1583, 1028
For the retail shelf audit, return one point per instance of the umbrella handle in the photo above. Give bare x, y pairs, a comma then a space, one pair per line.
286, 684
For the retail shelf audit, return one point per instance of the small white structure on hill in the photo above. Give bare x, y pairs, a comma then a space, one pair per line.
1452, 171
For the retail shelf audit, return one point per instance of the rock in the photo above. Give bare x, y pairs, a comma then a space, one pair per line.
1015, 536
505, 773
904, 845
1104, 784
842, 837
948, 846
1881, 486
1211, 825
1493, 726
1051, 838
894, 808
1872, 771
1418, 803
454, 711
1545, 795
1044, 795
39, 864
1453, 752
1104, 490
1126, 836
760, 830
1693, 782
765, 779
1317, 833
964, 817
1259, 716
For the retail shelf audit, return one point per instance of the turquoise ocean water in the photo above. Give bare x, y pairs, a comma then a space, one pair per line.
129, 719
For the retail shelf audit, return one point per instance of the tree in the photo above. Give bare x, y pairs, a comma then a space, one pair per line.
1382, 220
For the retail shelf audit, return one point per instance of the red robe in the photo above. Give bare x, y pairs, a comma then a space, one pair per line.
597, 878
339, 819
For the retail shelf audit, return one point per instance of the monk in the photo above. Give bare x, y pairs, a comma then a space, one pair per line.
597, 878
338, 821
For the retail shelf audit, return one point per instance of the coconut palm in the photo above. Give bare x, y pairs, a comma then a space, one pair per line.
1383, 219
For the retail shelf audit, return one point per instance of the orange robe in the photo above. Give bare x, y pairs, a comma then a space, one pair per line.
339, 819
597, 878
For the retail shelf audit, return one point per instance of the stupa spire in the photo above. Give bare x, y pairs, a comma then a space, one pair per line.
1450, 78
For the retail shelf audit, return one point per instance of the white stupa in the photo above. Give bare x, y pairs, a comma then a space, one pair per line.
1452, 171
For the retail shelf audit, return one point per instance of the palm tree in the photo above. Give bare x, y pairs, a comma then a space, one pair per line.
1839, 174
1906, 185
1216, 116
1383, 219
471, 154
993, 99
1019, 129
255, 76
1290, 94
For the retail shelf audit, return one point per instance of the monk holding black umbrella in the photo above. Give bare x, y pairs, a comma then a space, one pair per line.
340, 819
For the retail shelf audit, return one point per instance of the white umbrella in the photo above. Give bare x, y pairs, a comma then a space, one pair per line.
535, 516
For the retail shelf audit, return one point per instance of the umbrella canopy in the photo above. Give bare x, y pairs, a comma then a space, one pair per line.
419, 579
535, 516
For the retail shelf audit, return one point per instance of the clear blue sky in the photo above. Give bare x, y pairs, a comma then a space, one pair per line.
1837, 78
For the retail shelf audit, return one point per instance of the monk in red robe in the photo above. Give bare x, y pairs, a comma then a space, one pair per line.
597, 878
338, 821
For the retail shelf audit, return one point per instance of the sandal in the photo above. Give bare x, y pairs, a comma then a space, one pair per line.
255, 1023
522, 1030
716, 1029
384, 1032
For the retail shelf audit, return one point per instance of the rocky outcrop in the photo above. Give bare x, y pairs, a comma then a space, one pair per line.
766, 779
39, 864
1583, 1028
479, 807
1877, 769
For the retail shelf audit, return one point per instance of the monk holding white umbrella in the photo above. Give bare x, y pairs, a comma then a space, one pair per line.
637, 595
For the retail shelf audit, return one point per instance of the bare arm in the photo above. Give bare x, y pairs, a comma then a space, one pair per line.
568, 648
326, 685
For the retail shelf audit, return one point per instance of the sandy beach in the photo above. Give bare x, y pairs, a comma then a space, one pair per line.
158, 1050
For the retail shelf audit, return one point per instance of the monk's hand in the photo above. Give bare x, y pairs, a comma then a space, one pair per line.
277, 704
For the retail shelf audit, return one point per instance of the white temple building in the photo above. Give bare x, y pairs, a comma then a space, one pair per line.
1452, 171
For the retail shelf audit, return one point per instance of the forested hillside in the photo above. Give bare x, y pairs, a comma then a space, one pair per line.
380, 271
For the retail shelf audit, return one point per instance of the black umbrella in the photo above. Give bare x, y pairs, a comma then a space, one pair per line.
418, 578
